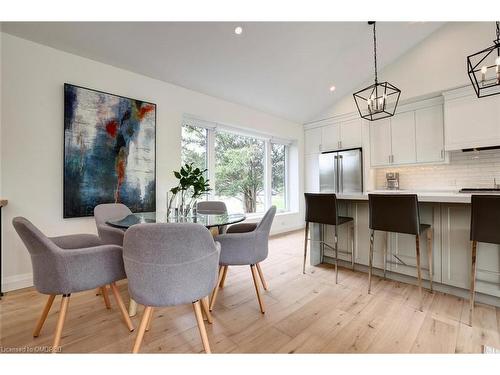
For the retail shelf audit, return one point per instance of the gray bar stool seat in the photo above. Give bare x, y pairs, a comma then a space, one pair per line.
322, 209
484, 227
398, 213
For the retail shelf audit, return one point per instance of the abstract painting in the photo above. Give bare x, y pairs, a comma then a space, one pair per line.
109, 152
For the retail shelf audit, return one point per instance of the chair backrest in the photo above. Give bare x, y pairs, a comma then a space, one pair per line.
48, 272
267, 221
107, 211
485, 218
394, 213
211, 207
169, 264
321, 208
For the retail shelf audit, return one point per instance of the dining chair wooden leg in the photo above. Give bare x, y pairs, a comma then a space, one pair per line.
104, 292
146, 316
370, 261
121, 306
224, 274
472, 281
430, 256
98, 292
206, 309
43, 317
201, 326
261, 276
216, 289
305, 247
60, 322
257, 289
150, 320
419, 272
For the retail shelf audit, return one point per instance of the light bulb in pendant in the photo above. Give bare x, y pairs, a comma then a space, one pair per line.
484, 69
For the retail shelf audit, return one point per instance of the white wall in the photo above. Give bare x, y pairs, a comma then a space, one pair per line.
437, 64
32, 137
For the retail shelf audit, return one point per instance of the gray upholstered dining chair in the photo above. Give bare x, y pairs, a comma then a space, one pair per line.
211, 207
69, 264
169, 265
105, 212
246, 248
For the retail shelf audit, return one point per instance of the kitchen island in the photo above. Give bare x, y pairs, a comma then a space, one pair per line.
449, 214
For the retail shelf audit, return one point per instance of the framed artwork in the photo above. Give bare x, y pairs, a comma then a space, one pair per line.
109, 152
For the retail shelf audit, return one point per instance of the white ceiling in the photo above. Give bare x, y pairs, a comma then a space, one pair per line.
283, 68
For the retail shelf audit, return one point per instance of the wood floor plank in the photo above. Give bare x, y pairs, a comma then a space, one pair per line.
304, 314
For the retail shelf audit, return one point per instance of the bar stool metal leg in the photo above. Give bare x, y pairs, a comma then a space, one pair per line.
305, 247
385, 252
472, 281
419, 273
429, 255
322, 243
352, 245
370, 261
336, 255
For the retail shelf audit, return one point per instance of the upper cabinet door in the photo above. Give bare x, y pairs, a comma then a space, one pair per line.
350, 134
430, 134
403, 138
472, 122
330, 137
312, 141
380, 142
311, 181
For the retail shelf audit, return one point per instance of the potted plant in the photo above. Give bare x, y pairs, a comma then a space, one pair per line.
192, 184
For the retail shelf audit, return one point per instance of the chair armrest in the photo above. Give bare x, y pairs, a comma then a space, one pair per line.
90, 267
242, 228
76, 241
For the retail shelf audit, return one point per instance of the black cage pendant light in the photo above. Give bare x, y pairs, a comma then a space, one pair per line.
379, 100
484, 69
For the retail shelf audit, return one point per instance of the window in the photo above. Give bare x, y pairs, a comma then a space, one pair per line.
194, 146
239, 172
249, 173
278, 175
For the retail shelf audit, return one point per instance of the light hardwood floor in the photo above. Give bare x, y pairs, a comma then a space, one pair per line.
304, 314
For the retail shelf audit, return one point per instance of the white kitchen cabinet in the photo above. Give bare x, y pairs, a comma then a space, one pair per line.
429, 134
312, 141
311, 173
456, 253
380, 142
471, 122
350, 134
330, 137
403, 138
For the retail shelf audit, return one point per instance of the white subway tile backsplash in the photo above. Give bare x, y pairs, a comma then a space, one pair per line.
466, 169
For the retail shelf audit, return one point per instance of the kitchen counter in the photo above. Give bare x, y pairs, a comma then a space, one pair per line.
423, 196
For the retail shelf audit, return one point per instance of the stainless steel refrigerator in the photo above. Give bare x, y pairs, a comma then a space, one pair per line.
341, 171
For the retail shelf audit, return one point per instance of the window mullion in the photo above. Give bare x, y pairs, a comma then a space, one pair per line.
267, 175
211, 159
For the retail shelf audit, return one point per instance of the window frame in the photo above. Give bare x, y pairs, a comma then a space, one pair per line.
211, 130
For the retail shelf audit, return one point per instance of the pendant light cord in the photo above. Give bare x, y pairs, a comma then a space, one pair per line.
375, 49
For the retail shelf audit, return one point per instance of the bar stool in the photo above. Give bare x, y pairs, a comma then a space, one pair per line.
484, 227
322, 209
398, 213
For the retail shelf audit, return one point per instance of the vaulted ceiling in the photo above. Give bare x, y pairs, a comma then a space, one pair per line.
283, 68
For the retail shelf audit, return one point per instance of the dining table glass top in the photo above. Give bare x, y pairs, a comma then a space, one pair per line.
207, 220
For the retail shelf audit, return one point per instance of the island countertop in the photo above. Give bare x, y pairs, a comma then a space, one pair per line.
423, 196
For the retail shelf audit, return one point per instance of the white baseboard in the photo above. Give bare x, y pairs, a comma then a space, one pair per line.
15, 282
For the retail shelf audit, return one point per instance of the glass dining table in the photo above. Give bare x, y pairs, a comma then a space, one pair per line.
217, 221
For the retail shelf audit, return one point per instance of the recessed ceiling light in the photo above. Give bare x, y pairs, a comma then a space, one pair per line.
332, 88
238, 30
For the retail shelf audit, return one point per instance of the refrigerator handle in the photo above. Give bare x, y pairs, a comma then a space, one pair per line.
336, 169
341, 174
